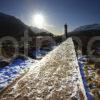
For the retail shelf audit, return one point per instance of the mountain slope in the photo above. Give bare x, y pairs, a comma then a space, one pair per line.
12, 26
87, 30
88, 27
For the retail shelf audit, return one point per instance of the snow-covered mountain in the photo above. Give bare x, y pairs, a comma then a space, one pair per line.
88, 27
86, 30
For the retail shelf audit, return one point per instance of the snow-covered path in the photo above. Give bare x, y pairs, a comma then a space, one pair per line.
55, 77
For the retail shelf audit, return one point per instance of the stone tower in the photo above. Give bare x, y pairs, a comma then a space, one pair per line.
65, 27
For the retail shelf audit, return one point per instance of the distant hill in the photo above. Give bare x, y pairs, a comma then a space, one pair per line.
37, 30
86, 30
88, 27
12, 26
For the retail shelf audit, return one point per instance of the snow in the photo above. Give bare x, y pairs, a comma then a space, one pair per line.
39, 53
55, 77
14, 70
88, 27
89, 96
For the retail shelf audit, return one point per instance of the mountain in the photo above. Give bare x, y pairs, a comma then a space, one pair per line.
37, 30
12, 26
86, 30
40, 32
88, 27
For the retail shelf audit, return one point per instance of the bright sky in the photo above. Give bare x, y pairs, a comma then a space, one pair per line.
55, 12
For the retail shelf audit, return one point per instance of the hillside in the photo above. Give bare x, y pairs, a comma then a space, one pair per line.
86, 30
12, 26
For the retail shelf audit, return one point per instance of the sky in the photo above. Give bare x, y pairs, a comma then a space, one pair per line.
56, 12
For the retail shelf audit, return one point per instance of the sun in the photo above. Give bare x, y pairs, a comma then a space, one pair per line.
38, 20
